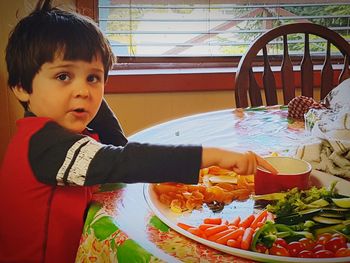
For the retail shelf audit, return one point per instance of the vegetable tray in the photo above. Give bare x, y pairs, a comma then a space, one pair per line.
236, 208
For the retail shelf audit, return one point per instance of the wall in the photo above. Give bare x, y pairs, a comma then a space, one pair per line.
138, 111
8, 107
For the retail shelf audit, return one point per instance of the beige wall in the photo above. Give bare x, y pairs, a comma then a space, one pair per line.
8, 108
138, 111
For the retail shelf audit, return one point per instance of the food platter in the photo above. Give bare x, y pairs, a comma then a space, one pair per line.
241, 208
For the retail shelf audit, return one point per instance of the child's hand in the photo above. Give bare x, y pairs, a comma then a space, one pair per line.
241, 163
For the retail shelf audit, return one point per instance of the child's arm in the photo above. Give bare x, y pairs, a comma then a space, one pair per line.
107, 126
58, 156
241, 163
61, 157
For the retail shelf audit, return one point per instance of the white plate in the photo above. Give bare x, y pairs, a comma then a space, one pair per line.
236, 208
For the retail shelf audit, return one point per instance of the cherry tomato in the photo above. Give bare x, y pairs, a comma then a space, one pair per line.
261, 248
294, 248
318, 247
306, 254
340, 236
325, 235
323, 238
307, 243
281, 242
279, 251
335, 243
343, 252
324, 254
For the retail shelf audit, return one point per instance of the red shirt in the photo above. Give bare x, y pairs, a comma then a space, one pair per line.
49, 223
44, 183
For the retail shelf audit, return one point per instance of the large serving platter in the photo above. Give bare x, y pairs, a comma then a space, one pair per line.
237, 208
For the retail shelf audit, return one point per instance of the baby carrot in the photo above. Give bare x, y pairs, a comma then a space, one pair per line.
234, 235
196, 231
220, 234
247, 238
236, 221
265, 164
205, 226
215, 221
258, 218
247, 221
215, 229
261, 223
232, 227
184, 226
234, 243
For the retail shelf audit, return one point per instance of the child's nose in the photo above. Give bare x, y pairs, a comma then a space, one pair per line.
82, 91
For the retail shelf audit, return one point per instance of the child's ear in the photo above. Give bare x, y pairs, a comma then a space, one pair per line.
21, 93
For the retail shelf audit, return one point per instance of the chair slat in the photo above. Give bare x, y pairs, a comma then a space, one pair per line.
307, 71
287, 74
241, 90
269, 81
254, 91
345, 73
246, 87
327, 73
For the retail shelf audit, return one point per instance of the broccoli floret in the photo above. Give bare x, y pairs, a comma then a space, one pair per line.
297, 200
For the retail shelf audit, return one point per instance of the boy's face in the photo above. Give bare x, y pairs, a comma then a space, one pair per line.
69, 92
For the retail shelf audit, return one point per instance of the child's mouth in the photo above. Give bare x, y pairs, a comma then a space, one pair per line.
80, 113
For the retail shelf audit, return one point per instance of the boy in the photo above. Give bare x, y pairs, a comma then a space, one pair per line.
58, 63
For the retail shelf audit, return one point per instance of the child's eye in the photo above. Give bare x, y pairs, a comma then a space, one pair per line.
93, 78
63, 77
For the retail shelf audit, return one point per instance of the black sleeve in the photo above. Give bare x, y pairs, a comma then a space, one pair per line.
50, 149
146, 163
60, 157
107, 126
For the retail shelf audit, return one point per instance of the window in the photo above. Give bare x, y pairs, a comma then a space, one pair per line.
197, 43
209, 28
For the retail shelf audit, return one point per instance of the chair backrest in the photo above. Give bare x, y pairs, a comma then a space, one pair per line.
245, 82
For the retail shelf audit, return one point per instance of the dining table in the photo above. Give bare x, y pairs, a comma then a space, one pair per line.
121, 226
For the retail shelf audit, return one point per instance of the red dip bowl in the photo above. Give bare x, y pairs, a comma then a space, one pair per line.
292, 173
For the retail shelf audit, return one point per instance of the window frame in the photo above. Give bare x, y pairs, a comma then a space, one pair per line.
173, 74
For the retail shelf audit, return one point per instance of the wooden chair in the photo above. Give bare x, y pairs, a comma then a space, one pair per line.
245, 82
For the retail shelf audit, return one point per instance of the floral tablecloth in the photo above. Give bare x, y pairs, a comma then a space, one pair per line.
120, 227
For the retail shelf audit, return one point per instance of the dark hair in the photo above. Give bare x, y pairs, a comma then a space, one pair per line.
38, 38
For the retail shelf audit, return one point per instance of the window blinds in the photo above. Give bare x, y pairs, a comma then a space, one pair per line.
212, 27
